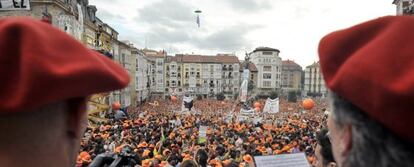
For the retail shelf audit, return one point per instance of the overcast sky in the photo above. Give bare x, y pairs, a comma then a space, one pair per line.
236, 26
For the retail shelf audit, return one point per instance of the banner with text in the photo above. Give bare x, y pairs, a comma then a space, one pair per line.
271, 106
14, 5
283, 160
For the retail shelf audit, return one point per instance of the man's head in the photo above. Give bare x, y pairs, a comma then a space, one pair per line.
369, 70
46, 78
323, 151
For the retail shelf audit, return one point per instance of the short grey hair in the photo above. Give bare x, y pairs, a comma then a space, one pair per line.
372, 144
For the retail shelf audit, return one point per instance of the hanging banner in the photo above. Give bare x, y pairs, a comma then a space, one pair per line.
14, 5
247, 112
271, 106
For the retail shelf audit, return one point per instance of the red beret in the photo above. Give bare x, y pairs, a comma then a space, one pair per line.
372, 66
41, 64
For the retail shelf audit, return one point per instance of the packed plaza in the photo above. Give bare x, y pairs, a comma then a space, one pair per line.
158, 134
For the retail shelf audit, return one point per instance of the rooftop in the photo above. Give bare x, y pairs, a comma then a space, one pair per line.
259, 49
290, 64
315, 64
220, 58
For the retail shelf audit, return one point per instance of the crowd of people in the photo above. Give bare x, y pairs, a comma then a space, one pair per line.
159, 134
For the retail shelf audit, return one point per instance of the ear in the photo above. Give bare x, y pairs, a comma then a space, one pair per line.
76, 117
346, 143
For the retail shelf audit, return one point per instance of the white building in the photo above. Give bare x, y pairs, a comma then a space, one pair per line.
314, 84
269, 66
202, 75
156, 61
141, 76
126, 60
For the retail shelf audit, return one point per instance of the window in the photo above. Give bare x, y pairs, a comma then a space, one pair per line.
267, 68
267, 76
267, 53
267, 83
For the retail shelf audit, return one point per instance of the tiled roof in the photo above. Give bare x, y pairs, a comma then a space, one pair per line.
315, 64
208, 59
290, 63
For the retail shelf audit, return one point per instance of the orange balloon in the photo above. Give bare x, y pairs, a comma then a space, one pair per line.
257, 104
174, 98
116, 105
308, 104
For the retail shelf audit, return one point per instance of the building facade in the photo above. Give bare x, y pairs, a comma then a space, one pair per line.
291, 76
141, 76
314, 82
202, 75
404, 7
269, 66
156, 64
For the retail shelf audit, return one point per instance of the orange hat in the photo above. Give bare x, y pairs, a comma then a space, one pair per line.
159, 157
41, 64
215, 163
146, 153
226, 162
247, 158
146, 163
375, 58
143, 145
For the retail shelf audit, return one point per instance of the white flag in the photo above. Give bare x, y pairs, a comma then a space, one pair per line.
271, 106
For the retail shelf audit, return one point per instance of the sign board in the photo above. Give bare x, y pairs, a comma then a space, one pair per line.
283, 160
14, 5
202, 134
271, 106
247, 112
